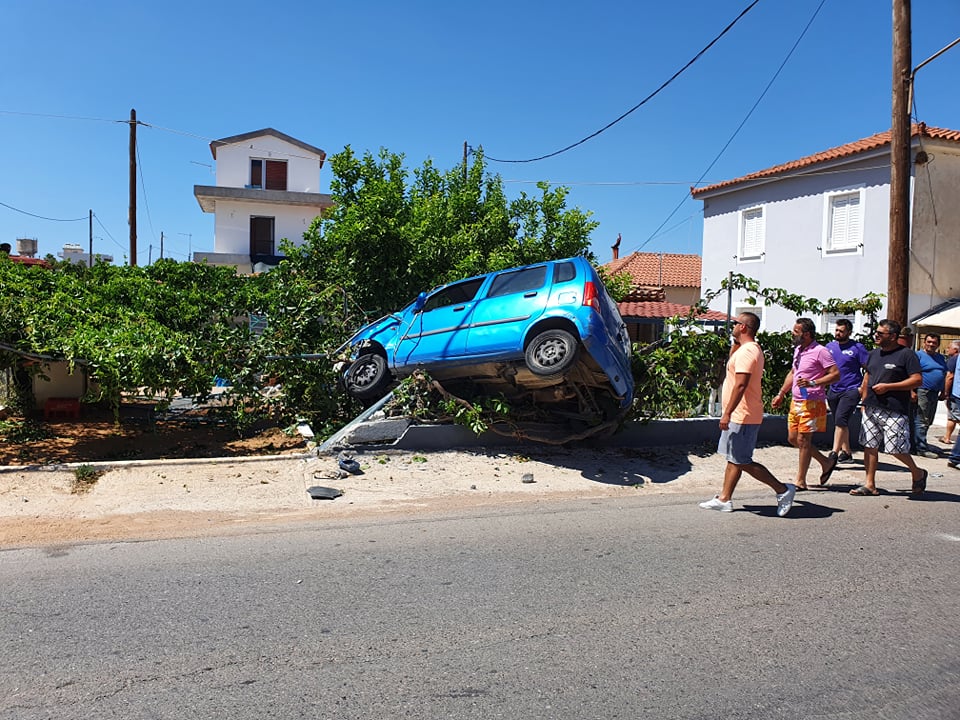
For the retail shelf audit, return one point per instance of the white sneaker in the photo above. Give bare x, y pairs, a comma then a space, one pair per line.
717, 504
785, 499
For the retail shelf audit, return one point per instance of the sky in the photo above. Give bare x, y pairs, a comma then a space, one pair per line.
521, 79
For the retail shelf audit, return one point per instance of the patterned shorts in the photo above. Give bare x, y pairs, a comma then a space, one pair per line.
807, 416
886, 431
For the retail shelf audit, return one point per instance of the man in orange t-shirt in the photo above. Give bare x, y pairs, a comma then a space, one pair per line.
741, 419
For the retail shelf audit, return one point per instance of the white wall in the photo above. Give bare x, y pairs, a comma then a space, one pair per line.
232, 224
794, 211
233, 163
934, 260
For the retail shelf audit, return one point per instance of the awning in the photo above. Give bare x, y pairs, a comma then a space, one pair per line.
944, 315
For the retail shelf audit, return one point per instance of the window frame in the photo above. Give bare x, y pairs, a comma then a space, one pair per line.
265, 174
742, 218
849, 248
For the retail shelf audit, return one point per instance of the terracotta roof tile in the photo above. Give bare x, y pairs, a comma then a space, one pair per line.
646, 294
659, 269
654, 310
24, 260
874, 142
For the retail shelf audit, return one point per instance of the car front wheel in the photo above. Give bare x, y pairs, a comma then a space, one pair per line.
552, 352
367, 377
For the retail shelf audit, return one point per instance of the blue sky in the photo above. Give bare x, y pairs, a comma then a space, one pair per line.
520, 79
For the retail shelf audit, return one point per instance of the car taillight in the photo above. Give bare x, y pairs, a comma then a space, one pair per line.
590, 296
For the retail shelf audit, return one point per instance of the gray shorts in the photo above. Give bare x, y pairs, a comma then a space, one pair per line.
738, 442
953, 408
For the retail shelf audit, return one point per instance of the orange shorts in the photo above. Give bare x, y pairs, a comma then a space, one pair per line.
807, 416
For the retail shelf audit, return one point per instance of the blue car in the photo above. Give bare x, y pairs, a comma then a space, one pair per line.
547, 333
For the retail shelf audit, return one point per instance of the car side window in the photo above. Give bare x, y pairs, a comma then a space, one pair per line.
507, 283
453, 294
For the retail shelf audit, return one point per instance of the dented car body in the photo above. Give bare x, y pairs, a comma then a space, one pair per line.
547, 333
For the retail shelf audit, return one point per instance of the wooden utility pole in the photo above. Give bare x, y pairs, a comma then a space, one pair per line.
161, 242
898, 263
90, 259
133, 187
464, 160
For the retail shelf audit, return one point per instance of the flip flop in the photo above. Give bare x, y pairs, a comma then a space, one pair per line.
919, 486
825, 475
864, 490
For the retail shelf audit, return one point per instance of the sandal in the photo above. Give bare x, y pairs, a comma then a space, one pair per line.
864, 490
919, 486
825, 475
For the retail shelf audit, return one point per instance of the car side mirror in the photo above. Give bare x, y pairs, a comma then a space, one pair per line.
420, 302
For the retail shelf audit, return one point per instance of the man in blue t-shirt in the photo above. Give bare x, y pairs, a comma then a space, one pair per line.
953, 401
933, 368
843, 396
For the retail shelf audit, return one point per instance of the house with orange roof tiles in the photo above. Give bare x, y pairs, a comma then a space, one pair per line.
819, 226
664, 285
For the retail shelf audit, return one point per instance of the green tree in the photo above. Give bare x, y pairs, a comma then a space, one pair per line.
390, 236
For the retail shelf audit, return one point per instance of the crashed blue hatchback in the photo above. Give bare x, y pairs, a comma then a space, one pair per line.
547, 333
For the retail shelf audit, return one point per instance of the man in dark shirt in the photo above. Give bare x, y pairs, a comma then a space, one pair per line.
892, 371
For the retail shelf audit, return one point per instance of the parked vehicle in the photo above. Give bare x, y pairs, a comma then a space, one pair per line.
547, 333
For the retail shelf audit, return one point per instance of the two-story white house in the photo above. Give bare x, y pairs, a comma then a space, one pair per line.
819, 226
267, 190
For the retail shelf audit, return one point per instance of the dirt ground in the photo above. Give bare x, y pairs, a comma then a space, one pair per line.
229, 493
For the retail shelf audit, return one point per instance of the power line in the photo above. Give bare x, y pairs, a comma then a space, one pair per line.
643, 102
41, 217
143, 190
740, 126
59, 117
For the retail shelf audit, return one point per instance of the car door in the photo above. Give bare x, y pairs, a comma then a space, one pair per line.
514, 300
438, 331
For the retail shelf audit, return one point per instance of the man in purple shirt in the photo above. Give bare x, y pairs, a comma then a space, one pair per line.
813, 369
844, 395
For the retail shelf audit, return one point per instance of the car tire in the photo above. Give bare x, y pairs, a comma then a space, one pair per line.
367, 378
551, 353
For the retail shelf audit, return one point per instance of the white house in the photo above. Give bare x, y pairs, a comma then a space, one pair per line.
267, 190
819, 226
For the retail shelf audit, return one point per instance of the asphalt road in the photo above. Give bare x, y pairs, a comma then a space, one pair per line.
650, 608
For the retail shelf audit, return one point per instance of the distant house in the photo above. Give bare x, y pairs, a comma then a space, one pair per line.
267, 190
664, 285
819, 226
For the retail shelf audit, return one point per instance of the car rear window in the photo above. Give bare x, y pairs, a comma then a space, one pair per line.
507, 283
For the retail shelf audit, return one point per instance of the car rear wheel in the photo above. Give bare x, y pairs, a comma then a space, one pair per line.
367, 377
552, 352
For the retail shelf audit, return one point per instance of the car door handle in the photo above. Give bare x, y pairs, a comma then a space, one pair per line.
459, 308
530, 294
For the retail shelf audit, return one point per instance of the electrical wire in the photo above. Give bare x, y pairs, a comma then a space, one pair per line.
41, 217
59, 117
640, 104
104, 228
143, 190
740, 126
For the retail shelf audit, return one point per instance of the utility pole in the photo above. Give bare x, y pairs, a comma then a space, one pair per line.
898, 263
133, 187
189, 246
464, 160
90, 259
161, 244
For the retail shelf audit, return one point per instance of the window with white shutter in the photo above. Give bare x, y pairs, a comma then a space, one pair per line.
751, 234
844, 224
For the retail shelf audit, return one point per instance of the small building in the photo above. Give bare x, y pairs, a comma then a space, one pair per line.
266, 191
665, 285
